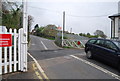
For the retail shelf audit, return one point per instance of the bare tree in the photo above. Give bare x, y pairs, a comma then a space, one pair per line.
100, 33
30, 21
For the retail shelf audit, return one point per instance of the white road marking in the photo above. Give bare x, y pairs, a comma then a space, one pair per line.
32, 44
98, 67
55, 51
39, 67
44, 45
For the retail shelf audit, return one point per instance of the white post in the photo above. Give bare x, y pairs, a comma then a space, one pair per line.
5, 57
10, 55
62, 37
15, 49
21, 51
25, 30
0, 59
0, 54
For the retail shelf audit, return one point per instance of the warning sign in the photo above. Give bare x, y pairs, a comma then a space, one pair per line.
5, 40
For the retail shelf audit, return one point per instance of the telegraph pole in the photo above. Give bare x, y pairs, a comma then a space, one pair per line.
63, 27
63, 21
25, 35
70, 30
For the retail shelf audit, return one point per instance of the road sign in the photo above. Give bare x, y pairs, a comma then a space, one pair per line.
78, 43
5, 40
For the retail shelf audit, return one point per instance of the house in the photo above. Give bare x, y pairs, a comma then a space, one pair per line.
115, 24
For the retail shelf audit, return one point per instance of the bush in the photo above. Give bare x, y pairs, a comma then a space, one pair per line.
63, 37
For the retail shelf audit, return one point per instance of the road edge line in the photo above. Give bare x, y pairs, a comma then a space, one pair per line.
39, 67
98, 67
37, 64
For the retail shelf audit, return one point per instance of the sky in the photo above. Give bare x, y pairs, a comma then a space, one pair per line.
82, 16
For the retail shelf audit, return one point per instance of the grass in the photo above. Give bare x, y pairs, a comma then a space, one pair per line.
49, 38
67, 47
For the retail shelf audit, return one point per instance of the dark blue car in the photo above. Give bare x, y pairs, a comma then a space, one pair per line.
104, 49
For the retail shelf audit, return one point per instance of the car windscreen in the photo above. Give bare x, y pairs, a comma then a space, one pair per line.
117, 44
92, 41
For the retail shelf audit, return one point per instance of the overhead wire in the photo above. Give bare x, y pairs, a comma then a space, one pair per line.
88, 16
68, 14
60, 12
44, 9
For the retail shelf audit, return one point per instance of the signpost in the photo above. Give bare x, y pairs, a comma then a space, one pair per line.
5, 40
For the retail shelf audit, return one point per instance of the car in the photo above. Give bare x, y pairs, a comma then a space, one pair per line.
104, 49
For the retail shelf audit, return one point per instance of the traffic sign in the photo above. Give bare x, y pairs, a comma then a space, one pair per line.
5, 40
78, 43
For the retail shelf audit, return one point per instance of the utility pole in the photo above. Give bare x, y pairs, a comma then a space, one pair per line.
63, 27
25, 35
70, 30
63, 21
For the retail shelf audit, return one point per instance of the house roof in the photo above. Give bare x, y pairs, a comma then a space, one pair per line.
115, 15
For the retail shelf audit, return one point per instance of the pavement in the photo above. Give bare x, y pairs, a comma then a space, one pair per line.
30, 74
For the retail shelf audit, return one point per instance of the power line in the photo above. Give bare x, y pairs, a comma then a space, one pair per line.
87, 16
68, 14
44, 9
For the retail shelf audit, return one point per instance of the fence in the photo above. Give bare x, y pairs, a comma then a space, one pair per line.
73, 43
12, 58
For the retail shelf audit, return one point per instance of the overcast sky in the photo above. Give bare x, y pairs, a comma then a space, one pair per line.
81, 15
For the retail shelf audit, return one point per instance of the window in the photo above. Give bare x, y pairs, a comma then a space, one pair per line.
117, 44
110, 45
100, 42
92, 41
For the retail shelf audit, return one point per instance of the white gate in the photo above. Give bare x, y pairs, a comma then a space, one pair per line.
13, 58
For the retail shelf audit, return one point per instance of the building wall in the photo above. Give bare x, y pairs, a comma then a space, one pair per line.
116, 26
119, 27
112, 29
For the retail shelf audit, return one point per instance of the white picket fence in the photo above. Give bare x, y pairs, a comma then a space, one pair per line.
12, 58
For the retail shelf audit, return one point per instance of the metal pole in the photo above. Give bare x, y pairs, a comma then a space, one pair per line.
70, 30
63, 21
63, 30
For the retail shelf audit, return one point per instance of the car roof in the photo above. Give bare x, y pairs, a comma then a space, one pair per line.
104, 39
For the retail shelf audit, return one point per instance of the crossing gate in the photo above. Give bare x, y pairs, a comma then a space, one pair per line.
73, 43
13, 58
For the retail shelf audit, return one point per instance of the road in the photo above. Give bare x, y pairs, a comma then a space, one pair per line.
59, 63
